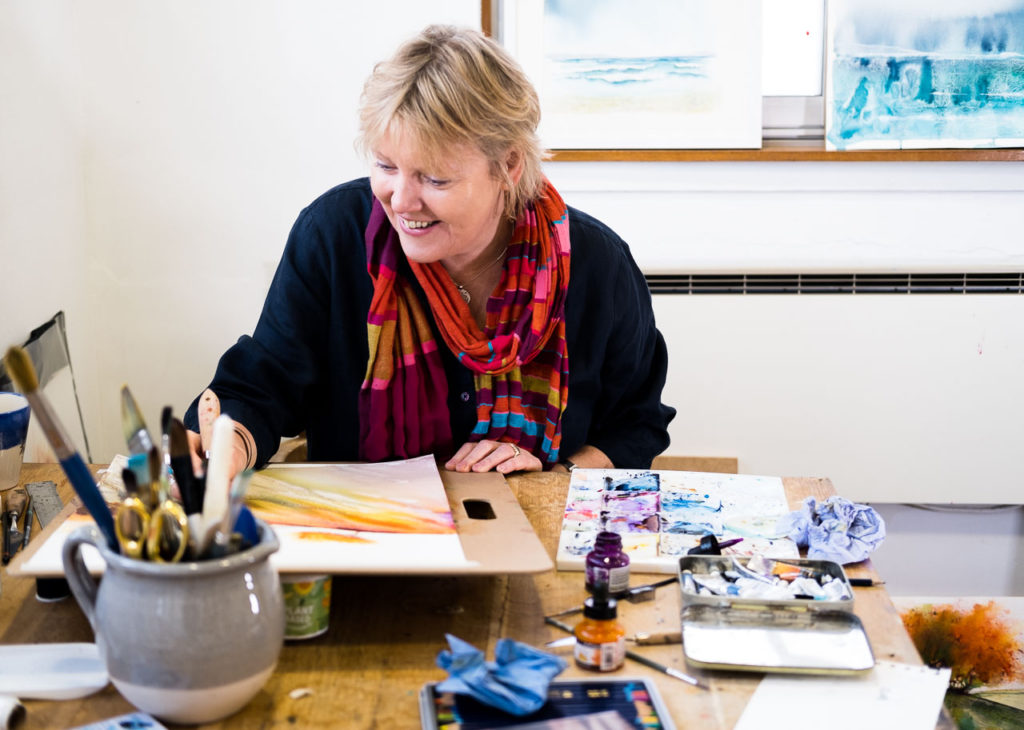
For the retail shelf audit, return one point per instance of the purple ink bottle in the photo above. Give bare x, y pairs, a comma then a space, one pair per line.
607, 566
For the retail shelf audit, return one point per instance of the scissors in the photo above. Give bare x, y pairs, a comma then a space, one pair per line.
160, 533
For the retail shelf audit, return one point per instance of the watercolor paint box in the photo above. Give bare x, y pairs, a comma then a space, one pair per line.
797, 635
702, 565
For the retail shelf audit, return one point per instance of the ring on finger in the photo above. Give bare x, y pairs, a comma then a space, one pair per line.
515, 450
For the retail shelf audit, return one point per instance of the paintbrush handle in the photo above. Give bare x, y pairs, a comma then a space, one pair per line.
50, 426
85, 486
78, 474
216, 498
670, 671
29, 517
639, 658
645, 638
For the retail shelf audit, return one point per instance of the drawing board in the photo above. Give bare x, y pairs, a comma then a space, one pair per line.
400, 517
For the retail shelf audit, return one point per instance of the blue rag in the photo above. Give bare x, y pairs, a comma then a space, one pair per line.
516, 682
837, 529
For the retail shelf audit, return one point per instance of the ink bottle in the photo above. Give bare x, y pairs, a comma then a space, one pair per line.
600, 638
607, 566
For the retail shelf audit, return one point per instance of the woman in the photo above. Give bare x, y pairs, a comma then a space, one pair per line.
452, 303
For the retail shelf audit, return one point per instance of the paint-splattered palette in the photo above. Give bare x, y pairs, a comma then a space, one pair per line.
662, 514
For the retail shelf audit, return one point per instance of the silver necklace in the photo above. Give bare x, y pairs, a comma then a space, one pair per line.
463, 292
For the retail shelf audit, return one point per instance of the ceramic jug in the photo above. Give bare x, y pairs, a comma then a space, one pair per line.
186, 642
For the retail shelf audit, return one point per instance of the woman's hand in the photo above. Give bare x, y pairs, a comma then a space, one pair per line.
501, 456
239, 453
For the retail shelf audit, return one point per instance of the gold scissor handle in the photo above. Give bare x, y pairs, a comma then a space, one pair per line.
131, 526
167, 535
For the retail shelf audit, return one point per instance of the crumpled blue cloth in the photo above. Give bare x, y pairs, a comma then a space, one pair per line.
516, 682
837, 529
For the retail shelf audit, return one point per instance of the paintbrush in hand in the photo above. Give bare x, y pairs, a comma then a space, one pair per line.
19, 365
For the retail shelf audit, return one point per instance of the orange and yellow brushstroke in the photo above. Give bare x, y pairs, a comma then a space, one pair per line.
309, 498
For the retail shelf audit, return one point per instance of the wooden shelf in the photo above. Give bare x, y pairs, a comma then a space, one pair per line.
792, 152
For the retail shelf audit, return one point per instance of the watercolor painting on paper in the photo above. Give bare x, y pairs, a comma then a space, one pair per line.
392, 517
635, 74
358, 518
662, 514
919, 75
981, 640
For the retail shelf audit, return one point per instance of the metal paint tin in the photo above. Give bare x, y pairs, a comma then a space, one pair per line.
307, 605
763, 635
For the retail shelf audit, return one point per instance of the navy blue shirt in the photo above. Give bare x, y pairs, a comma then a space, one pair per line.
302, 368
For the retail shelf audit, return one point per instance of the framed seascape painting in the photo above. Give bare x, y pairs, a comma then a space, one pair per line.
640, 74
918, 74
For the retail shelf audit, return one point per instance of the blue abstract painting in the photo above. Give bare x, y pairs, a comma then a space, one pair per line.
644, 73
904, 75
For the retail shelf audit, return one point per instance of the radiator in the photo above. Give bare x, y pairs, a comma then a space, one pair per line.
900, 388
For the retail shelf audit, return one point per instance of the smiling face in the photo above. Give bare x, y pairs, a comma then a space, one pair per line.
449, 211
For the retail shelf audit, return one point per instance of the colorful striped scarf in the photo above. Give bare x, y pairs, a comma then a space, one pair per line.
519, 361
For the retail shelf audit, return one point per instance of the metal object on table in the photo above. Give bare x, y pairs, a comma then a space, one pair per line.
780, 640
45, 501
771, 635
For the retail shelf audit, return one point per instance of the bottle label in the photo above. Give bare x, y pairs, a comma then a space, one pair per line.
613, 580
618, 579
307, 605
602, 657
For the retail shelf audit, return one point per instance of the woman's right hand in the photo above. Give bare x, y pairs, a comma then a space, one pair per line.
239, 453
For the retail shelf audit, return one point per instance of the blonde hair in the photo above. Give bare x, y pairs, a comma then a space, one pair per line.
451, 86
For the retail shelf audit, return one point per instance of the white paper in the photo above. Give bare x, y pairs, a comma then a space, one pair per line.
906, 696
51, 671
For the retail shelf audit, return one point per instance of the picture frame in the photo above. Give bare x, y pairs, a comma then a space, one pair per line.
641, 97
906, 77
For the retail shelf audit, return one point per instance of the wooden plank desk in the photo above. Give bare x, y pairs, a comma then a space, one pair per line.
385, 633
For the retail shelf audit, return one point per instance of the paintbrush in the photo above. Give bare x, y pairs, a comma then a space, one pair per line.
135, 432
189, 485
19, 365
216, 497
29, 517
223, 537
165, 448
158, 484
639, 658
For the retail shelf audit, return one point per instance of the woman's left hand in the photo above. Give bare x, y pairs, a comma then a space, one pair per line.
501, 456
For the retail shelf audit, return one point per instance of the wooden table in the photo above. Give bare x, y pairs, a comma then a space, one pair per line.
385, 634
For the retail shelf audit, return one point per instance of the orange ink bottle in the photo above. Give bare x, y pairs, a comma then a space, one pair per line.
600, 638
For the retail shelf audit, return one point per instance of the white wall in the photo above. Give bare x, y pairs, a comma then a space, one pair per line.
154, 155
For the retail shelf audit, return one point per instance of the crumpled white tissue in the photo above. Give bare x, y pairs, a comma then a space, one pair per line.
836, 529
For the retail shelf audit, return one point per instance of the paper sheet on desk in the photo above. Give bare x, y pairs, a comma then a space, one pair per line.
891, 695
398, 518
330, 518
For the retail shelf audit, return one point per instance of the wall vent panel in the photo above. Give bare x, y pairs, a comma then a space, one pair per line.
898, 283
